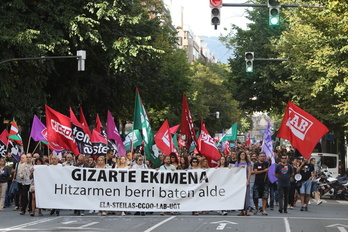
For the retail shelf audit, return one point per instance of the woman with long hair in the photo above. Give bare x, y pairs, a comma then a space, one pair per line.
244, 162
174, 160
38, 161
101, 164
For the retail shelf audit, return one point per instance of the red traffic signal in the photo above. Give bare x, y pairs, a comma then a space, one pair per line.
215, 3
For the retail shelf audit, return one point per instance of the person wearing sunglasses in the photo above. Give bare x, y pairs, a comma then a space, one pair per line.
194, 164
139, 163
283, 172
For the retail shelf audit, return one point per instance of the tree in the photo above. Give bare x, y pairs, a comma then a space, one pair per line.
210, 94
316, 44
127, 45
256, 91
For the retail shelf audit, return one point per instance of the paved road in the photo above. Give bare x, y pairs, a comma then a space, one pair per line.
331, 216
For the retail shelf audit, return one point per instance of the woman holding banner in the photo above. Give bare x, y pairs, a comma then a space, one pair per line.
38, 161
101, 164
194, 165
243, 162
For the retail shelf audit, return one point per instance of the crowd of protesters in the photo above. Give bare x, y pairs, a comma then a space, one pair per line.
295, 177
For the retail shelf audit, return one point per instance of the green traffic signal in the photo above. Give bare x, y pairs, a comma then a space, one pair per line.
249, 58
274, 16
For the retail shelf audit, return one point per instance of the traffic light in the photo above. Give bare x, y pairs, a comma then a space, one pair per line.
215, 6
249, 59
274, 8
81, 60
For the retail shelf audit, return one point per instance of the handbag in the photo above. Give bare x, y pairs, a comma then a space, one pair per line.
13, 188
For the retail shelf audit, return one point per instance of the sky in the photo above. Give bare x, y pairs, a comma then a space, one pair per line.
197, 14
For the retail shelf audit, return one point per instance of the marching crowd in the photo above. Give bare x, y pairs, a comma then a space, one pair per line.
295, 177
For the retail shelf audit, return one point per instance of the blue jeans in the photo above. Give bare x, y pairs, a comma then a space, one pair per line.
273, 191
306, 187
8, 198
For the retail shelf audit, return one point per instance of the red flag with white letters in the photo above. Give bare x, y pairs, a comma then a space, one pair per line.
247, 142
207, 145
164, 140
302, 129
59, 130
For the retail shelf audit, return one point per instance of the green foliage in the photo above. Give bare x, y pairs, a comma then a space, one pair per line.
127, 46
257, 91
316, 44
210, 94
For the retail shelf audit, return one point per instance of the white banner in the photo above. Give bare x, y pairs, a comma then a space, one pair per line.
139, 190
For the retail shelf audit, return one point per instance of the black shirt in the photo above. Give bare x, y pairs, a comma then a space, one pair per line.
261, 178
306, 171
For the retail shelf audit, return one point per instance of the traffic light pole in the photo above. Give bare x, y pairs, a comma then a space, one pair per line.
267, 59
266, 5
81, 57
39, 58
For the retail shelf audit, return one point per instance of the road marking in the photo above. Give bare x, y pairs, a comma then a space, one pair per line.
28, 224
68, 222
287, 225
159, 224
221, 226
341, 229
337, 225
87, 225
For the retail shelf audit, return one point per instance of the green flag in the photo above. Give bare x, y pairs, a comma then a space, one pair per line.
141, 122
231, 134
132, 137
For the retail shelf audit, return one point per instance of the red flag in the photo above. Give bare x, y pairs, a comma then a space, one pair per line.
301, 129
74, 119
181, 142
247, 142
207, 145
81, 137
4, 137
188, 133
174, 129
227, 148
3, 143
164, 140
84, 123
99, 126
59, 130
14, 133
99, 143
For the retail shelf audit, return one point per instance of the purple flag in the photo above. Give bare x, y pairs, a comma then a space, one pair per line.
37, 130
112, 133
267, 148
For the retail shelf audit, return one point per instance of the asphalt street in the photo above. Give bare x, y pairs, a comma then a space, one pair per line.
331, 216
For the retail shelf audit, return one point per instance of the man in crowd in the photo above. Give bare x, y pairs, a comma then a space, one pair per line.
166, 164
306, 170
69, 160
109, 158
11, 163
23, 172
261, 188
283, 172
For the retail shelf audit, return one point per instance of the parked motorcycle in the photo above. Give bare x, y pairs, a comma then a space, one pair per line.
335, 188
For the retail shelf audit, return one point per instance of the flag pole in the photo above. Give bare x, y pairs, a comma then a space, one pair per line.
132, 141
28, 145
35, 147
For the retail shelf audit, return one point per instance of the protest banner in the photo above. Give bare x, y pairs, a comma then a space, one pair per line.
139, 190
